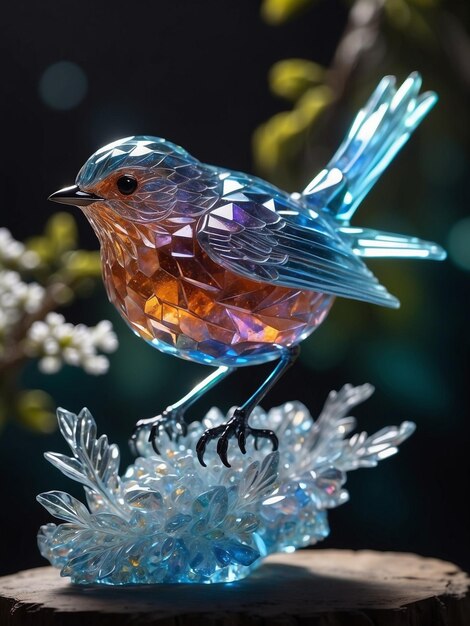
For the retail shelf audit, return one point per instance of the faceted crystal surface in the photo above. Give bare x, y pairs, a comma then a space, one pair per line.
174, 296
170, 520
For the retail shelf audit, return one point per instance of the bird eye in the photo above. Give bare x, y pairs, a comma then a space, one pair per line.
126, 185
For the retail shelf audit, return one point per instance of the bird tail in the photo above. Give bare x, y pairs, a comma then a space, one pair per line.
378, 132
369, 243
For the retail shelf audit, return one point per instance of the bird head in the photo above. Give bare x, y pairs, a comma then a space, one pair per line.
142, 179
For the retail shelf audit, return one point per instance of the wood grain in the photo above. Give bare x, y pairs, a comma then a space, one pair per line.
317, 587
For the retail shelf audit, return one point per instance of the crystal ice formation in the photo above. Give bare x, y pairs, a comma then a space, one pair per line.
170, 520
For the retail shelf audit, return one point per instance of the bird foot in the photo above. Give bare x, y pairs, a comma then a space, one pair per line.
170, 421
237, 427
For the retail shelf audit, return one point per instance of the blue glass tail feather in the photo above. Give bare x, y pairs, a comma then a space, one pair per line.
378, 132
370, 243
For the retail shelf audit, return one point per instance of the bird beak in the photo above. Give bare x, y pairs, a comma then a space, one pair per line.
74, 195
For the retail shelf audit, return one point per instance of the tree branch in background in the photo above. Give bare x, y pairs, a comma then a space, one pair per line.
286, 146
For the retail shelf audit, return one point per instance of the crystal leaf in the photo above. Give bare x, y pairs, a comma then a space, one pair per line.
95, 463
68, 425
70, 466
64, 506
109, 522
145, 499
213, 505
260, 482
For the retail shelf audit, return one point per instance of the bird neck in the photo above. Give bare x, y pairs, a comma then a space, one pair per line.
115, 231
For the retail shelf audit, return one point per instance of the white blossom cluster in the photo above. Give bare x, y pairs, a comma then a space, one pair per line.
57, 342
17, 298
14, 253
53, 340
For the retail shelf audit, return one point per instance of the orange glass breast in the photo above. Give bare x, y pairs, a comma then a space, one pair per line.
175, 297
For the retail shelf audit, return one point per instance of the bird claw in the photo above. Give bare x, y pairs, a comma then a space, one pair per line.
209, 434
135, 435
237, 427
170, 422
264, 433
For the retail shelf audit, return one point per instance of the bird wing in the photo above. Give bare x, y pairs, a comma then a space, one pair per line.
261, 233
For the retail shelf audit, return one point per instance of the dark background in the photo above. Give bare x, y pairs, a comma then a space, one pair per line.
195, 73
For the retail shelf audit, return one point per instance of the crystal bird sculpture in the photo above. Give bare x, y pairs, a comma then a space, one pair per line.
224, 269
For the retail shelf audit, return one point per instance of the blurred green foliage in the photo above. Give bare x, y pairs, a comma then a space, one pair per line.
291, 78
279, 11
72, 270
378, 38
35, 409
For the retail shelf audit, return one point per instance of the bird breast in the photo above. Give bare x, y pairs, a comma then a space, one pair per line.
175, 297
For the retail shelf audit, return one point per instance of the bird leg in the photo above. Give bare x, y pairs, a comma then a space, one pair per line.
238, 425
171, 419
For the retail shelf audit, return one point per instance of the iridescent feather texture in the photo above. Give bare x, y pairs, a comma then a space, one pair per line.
168, 520
223, 268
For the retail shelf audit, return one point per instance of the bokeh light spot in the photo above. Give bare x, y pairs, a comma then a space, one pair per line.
63, 85
458, 243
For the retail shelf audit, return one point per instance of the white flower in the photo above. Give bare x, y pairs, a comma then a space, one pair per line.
14, 254
96, 365
72, 356
57, 342
17, 298
50, 364
38, 332
55, 319
104, 337
32, 297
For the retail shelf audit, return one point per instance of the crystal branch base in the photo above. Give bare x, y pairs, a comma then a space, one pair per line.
170, 520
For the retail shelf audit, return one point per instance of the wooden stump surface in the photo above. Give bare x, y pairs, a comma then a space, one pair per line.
314, 587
